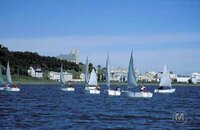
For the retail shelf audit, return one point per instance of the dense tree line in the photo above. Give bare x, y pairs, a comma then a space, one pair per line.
21, 61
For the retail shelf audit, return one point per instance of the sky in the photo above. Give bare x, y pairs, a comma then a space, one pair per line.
158, 32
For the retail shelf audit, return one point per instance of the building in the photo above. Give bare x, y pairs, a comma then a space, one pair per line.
183, 79
118, 74
150, 76
195, 77
35, 72
82, 77
72, 57
56, 76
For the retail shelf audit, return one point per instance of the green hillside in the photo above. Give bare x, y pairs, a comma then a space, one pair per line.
21, 61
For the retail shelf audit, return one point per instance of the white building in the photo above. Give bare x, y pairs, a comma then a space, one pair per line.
149, 76
118, 74
35, 72
72, 57
81, 78
183, 79
56, 76
195, 77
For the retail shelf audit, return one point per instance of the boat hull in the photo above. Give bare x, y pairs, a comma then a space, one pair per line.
2, 88
114, 93
68, 89
165, 90
139, 94
93, 91
11, 89
89, 88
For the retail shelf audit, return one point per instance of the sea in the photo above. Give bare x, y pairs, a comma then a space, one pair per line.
46, 107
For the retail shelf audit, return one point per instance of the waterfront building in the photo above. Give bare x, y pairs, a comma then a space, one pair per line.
150, 76
118, 74
195, 77
82, 77
35, 72
183, 79
56, 76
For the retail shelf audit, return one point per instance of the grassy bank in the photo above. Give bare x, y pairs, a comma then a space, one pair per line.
31, 80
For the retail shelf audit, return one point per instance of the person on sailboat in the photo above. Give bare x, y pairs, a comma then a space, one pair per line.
70, 84
118, 89
143, 89
15, 85
97, 87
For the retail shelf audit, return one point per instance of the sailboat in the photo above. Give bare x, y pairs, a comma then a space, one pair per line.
10, 86
165, 85
91, 85
1, 80
132, 82
110, 91
62, 81
87, 87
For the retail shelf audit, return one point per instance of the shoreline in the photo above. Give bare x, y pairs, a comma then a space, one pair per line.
30, 80
103, 83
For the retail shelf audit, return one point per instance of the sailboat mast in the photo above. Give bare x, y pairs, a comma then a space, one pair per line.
1, 76
62, 76
108, 72
8, 75
86, 72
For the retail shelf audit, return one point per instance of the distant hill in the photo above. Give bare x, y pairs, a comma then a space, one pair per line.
21, 61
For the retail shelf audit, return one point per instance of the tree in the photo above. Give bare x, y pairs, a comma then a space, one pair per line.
90, 67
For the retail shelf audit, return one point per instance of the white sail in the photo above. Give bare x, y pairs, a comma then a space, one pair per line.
108, 72
62, 80
8, 75
131, 74
93, 78
86, 72
165, 78
1, 76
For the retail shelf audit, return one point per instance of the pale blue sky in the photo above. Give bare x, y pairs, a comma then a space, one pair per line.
157, 31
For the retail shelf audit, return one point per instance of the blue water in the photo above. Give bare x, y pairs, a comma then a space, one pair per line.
47, 107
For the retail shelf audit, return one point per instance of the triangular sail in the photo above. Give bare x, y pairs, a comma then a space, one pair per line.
108, 72
86, 72
62, 80
1, 76
8, 75
165, 78
131, 73
93, 78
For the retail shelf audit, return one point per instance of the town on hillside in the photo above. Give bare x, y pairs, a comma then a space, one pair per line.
45, 67
117, 74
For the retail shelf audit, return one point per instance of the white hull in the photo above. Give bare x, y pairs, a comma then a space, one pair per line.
2, 88
68, 89
89, 88
139, 94
165, 90
114, 93
93, 91
11, 89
